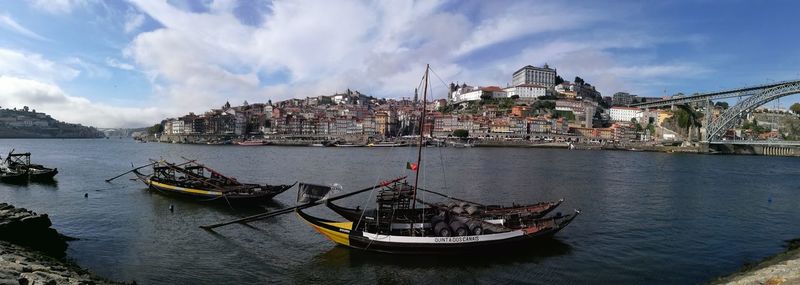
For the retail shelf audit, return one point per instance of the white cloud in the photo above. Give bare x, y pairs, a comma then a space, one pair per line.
521, 20
58, 6
113, 62
8, 23
50, 99
92, 70
133, 20
34, 66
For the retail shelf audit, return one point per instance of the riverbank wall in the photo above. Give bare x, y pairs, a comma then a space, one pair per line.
780, 269
31, 252
746, 149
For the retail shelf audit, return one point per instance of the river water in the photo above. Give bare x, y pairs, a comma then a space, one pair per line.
648, 218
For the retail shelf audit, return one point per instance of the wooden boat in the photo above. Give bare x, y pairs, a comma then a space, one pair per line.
397, 225
397, 238
196, 180
20, 163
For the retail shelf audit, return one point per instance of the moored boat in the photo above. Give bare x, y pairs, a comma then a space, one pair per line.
18, 166
196, 180
253, 142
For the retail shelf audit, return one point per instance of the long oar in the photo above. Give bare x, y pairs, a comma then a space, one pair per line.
449, 197
132, 170
291, 209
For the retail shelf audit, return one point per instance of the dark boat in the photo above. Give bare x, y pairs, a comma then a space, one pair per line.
193, 179
397, 225
20, 163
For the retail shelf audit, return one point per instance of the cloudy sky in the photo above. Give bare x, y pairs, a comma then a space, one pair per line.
130, 64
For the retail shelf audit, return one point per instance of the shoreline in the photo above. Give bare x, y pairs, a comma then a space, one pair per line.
31, 252
781, 268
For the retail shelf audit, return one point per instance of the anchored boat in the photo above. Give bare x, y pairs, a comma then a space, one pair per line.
196, 180
17, 167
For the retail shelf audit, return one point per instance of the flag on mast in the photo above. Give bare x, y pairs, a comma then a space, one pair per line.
412, 166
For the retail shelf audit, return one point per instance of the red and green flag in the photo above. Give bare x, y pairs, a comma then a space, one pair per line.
412, 166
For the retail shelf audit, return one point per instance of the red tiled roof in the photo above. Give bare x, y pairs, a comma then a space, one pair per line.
491, 89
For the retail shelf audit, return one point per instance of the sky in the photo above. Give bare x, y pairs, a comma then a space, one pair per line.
133, 63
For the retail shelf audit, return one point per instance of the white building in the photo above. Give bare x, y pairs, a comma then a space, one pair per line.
625, 114
177, 127
469, 93
544, 76
526, 91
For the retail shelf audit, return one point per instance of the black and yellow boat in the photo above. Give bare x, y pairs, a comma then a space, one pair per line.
397, 228
193, 179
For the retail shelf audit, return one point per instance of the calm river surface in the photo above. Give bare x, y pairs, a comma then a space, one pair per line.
648, 218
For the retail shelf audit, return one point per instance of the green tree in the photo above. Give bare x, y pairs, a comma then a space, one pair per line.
795, 108
461, 133
723, 105
559, 80
579, 80
515, 97
155, 129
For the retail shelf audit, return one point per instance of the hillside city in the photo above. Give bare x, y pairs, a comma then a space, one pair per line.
27, 123
539, 105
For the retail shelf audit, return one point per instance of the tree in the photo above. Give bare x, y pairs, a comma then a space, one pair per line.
461, 133
515, 97
795, 108
155, 129
723, 105
579, 80
559, 80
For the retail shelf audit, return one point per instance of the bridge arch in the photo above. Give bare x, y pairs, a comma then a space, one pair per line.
732, 115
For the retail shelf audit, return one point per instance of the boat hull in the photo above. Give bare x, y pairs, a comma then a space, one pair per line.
210, 195
343, 234
14, 178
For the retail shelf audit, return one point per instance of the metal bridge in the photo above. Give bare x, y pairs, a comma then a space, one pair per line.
756, 96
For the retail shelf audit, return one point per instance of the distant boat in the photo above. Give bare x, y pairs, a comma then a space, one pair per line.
388, 144
253, 143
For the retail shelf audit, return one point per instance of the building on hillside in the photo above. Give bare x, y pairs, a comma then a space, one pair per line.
523, 91
622, 99
529, 74
475, 94
625, 114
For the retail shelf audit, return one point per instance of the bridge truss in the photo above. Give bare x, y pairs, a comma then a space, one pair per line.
756, 96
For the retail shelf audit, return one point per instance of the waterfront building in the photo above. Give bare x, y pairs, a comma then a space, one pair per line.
625, 114
529, 74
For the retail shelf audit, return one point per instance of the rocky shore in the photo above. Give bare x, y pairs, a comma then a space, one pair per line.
783, 268
33, 253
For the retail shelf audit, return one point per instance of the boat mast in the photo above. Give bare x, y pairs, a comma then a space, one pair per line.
421, 129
